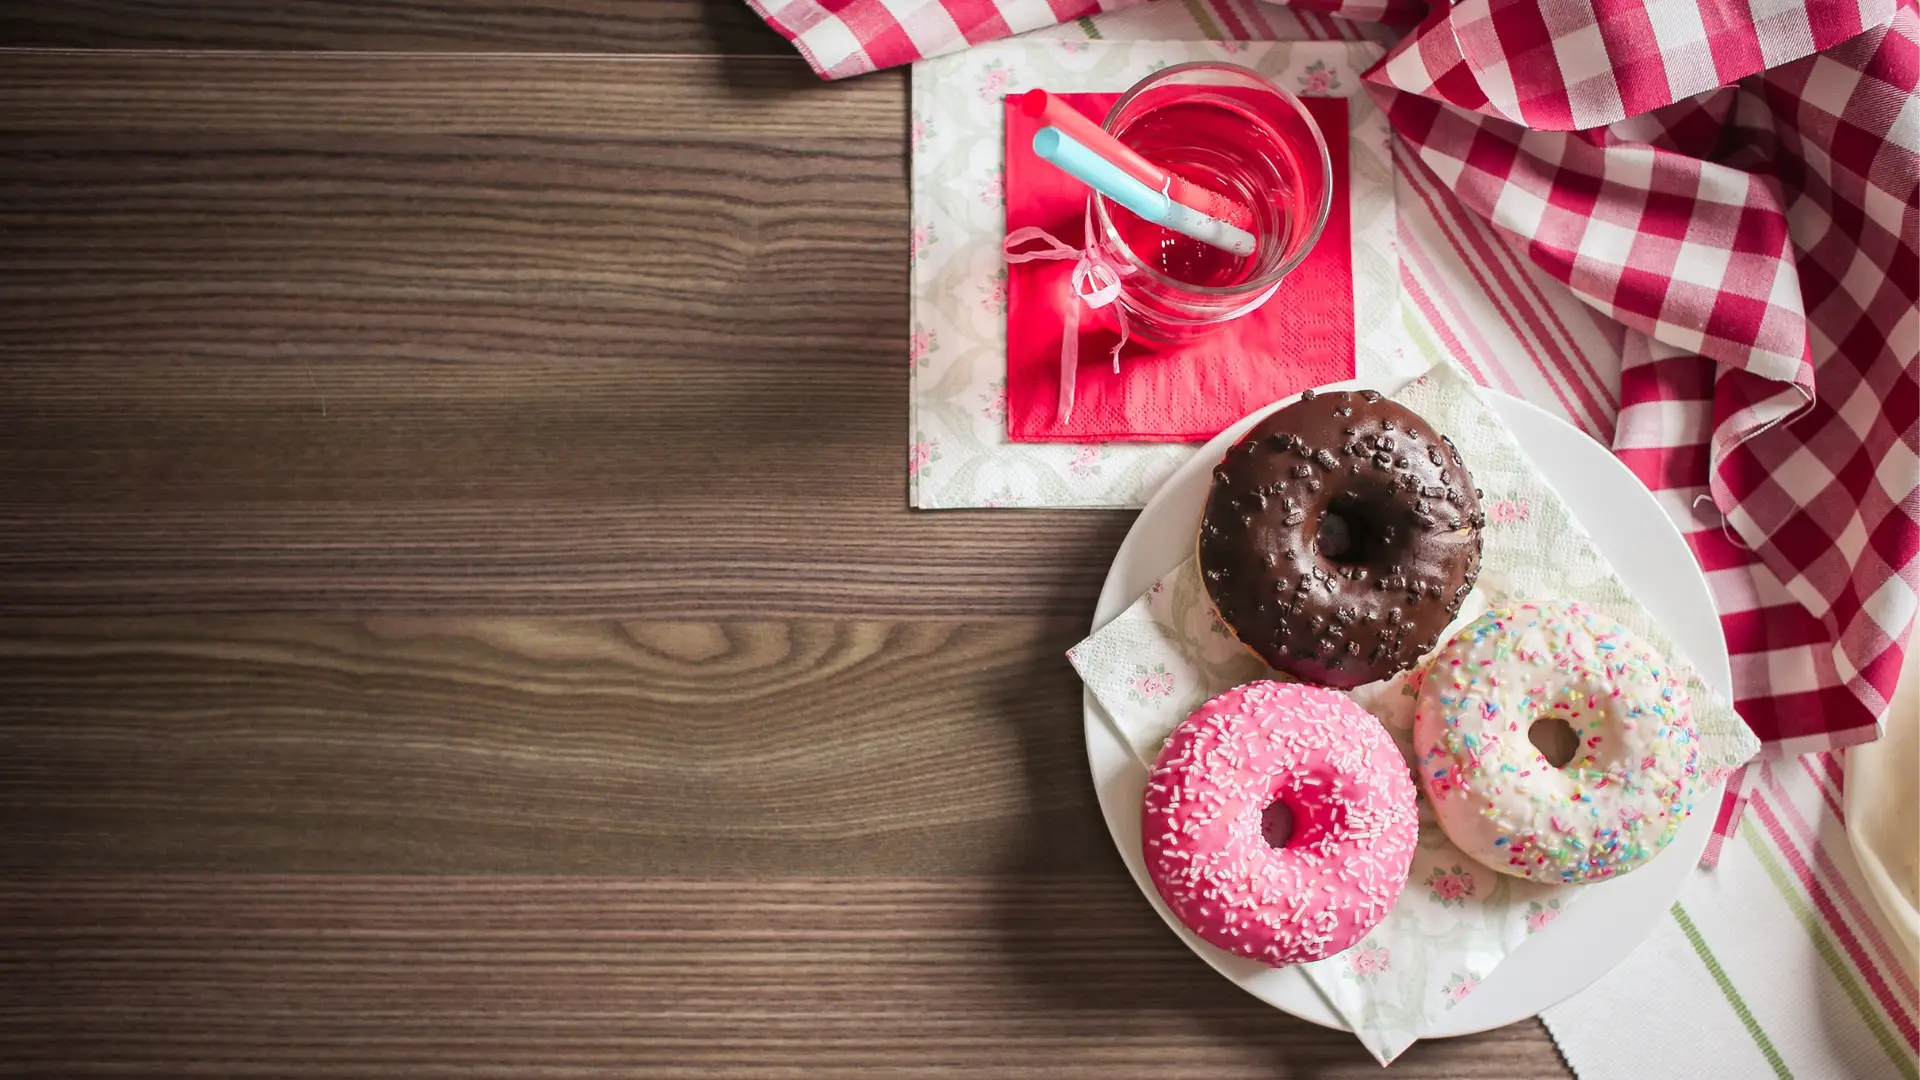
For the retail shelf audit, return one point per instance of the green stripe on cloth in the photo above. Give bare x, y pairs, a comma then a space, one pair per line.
1417, 329
1093, 32
1204, 19
1733, 996
1843, 974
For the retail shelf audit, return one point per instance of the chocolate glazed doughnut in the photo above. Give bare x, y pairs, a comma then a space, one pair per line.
1341, 535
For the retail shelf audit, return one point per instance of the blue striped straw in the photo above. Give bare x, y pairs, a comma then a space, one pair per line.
1071, 157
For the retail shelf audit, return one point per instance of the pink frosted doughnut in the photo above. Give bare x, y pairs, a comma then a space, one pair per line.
1330, 765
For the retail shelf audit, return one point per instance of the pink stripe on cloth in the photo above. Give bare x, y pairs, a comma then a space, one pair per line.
1890, 961
1826, 790
1435, 199
1425, 305
1822, 902
1522, 308
1230, 21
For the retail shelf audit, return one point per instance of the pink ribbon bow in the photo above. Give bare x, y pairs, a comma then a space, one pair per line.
1096, 281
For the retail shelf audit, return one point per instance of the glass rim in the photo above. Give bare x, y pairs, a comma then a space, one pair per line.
1271, 277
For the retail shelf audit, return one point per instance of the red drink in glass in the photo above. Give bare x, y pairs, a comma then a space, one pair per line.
1229, 130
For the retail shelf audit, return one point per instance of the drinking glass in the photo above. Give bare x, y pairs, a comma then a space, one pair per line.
1230, 130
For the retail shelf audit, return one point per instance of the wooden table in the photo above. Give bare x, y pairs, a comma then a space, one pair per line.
461, 613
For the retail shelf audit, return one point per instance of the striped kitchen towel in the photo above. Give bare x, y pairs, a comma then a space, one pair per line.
1773, 965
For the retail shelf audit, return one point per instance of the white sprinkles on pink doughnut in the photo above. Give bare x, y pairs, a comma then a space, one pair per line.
1355, 820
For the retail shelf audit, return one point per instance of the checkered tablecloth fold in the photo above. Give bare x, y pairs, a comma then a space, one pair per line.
1567, 66
1759, 243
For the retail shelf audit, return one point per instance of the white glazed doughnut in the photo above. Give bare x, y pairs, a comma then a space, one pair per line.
1630, 782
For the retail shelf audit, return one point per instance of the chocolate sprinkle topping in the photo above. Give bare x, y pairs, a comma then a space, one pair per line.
1366, 574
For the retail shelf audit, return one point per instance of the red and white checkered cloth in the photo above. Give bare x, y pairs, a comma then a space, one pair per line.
1759, 242
1738, 188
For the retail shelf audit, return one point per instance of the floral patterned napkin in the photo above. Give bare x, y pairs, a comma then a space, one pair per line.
959, 454
1457, 921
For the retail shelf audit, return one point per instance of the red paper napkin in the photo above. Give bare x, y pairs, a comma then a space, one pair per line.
1301, 337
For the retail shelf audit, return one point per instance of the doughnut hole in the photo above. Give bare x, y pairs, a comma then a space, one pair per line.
1276, 824
1555, 739
1356, 530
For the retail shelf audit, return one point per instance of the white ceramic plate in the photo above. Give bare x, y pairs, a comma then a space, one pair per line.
1648, 553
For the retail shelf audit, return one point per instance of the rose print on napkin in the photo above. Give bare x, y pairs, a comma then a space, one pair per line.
918, 241
993, 404
922, 345
1451, 887
922, 453
1368, 960
994, 191
993, 300
1086, 460
1149, 683
1539, 915
1507, 511
1457, 989
995, 81
1319, 79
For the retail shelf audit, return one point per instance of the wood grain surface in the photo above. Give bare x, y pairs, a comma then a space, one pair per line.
548, 26
539, 746
419, 976
459, 613
345, 333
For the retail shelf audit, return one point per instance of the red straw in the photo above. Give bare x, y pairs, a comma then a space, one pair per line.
1044, 106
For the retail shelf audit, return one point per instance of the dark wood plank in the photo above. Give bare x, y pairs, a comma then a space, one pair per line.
344, 333
543, 746
833, 758
248, 976
575, 26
